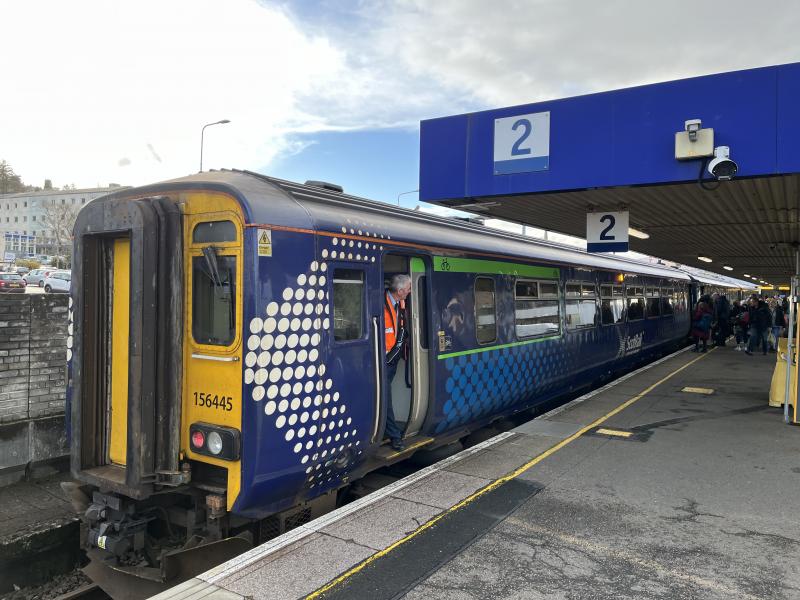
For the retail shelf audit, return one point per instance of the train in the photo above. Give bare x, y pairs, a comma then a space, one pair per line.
226, 359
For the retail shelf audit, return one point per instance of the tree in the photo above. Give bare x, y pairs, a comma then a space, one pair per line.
59, 219
10, 182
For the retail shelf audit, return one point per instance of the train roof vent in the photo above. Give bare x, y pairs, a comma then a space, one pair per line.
326, 186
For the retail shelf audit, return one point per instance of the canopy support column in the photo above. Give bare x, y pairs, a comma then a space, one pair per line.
790, 337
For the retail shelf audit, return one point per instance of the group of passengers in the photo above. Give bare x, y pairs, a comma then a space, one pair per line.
756, 322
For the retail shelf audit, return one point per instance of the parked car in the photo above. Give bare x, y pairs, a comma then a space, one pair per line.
11, 283
21, 270
37, 276
58, 281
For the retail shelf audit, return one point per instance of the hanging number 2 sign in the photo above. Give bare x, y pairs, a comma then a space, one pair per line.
607, 231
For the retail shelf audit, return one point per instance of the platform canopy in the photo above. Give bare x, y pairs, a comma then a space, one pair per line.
616, 151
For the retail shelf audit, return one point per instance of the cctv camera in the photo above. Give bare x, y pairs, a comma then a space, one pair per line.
721, 166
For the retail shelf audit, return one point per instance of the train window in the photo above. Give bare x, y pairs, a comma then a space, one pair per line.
214, 301
485, 310
536, 308
213, 232
348, 304
580, 313
612, 304
548, 290
635, 303
527, 289
653, 302
667, 301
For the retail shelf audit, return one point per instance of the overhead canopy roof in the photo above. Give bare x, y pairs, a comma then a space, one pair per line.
616, 150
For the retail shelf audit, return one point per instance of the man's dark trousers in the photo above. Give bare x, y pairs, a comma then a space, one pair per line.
392, 430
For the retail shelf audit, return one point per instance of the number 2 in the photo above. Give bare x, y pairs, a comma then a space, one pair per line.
528, 128
611, 222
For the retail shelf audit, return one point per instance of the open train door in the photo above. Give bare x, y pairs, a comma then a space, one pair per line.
419, 356
127, 287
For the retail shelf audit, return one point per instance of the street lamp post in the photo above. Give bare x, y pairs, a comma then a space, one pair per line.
202, 132
404, 193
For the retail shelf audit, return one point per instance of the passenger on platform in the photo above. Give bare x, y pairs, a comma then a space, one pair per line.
722, 309
394, 325
759, 325
776, 322
701, 323
740, 319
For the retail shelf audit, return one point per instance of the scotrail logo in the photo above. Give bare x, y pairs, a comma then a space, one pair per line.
633, 343
630, 344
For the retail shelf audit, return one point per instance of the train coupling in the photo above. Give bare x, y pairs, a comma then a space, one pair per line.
114, 526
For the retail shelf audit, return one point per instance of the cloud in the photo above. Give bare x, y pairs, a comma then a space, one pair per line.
522, 51
106, 80
114, 79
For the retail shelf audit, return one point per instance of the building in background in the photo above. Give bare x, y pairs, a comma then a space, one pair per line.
40, 223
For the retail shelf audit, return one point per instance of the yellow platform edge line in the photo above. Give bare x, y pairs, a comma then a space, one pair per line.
498, 482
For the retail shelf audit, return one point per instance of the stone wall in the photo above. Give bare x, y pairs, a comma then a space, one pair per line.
33, 374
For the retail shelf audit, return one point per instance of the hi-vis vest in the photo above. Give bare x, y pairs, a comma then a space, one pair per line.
393, 323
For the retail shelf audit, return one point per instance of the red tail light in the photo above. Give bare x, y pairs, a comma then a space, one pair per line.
198, 439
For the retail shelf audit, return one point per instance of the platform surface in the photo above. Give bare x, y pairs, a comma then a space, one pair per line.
683, 495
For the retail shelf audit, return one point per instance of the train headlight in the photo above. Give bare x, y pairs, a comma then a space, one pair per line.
215, 440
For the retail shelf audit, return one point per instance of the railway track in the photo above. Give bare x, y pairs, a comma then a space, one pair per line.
90, 591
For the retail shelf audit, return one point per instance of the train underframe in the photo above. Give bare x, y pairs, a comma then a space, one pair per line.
177, 534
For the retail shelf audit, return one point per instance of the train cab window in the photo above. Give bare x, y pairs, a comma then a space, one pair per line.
635, 302
214, 232
536, 308
612, 304
580, 304
667, 301
485, 310
348, 304
214, 300
653, 302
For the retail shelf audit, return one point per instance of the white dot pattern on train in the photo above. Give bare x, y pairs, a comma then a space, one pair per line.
69, 331
283, 365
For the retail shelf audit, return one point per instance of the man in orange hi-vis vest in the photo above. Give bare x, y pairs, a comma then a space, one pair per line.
394, 326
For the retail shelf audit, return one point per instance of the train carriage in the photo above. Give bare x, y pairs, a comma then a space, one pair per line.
226, 356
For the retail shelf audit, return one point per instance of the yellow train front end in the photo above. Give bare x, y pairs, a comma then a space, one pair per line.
156, 377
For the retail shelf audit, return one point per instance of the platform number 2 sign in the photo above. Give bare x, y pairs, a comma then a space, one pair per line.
607, 231
522, 143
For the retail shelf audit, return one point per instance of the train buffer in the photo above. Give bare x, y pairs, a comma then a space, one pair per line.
636, 486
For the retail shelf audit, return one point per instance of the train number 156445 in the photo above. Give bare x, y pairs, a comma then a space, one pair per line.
213, 401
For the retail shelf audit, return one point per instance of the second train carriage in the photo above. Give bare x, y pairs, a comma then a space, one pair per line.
227, 356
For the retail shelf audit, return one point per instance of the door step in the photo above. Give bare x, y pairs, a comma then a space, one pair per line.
387, 455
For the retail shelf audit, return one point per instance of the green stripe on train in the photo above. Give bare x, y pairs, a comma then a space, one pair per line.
500, 347
447, 264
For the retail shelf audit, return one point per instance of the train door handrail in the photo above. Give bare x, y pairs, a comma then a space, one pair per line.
376, 342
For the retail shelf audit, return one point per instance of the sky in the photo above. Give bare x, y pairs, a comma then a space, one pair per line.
96, 92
